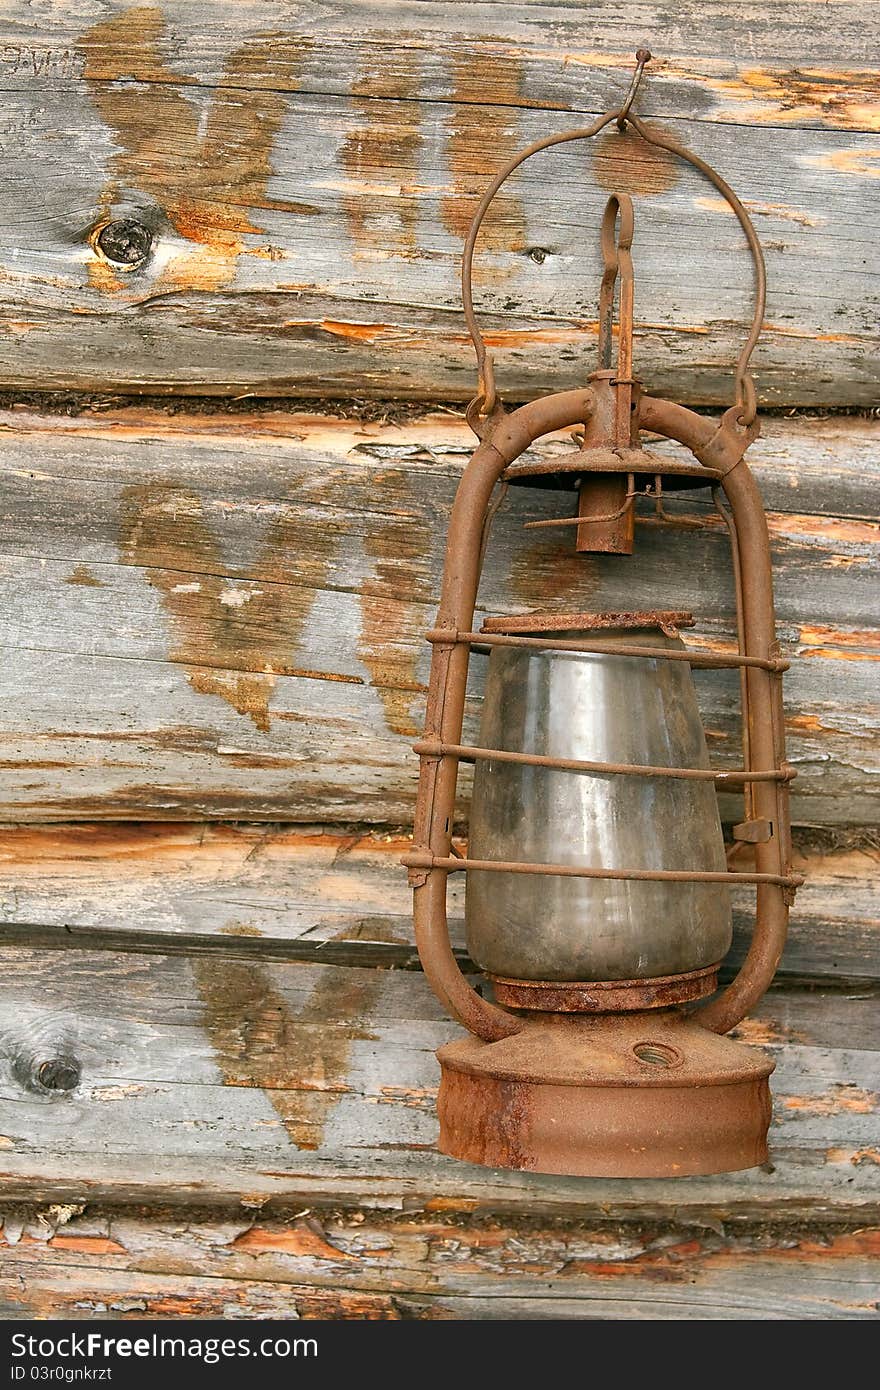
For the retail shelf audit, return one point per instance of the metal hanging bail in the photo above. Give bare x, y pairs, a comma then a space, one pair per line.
485, 410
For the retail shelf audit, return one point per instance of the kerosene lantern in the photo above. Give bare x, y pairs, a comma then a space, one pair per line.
598, 887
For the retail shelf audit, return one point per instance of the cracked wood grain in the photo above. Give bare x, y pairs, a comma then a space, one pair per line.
325, 894
231, 613
429, 1264
162, 1110
305, 187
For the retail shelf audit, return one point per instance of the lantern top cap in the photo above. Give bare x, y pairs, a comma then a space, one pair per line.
525, 623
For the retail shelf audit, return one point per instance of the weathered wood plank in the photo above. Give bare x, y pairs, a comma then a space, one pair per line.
224, 618
326, 895
244, 1083
307, 187
367, 1264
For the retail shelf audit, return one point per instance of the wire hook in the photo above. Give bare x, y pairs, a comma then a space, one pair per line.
643, 57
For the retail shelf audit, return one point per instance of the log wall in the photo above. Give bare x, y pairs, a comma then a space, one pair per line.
232, 363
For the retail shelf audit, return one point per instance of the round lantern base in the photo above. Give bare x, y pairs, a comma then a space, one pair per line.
649, 1095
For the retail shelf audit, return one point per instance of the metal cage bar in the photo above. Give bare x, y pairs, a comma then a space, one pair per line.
469, 753
708, 661
459, 863
431, 861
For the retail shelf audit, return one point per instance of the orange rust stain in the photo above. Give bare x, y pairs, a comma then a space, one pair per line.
561, 337
83, 575
452, 1204
351, 332
854, 1156
843, 99
841, 1098
480, 138
761, 1031
806, 723
810, 335
83, 1245
307, 674
864, 1242
554, 337
628, 164
398, 334
678, 1262
835, 654
87, 1245
793, 525
165, 846
862, 163
393, 600
300, 1239
777, 210
300, 1062
718, 645
413, 1097
235, 637
206, 175
824, 637
382, 153
357, 332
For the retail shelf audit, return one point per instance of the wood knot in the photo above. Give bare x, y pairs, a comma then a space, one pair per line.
42, 1054
58, 1074
125, 242
42, 1075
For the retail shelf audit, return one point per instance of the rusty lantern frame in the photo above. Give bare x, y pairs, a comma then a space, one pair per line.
612, 411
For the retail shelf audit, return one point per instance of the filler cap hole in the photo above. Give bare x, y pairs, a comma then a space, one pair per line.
656, 1054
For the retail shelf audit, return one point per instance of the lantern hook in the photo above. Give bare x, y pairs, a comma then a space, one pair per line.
643, 57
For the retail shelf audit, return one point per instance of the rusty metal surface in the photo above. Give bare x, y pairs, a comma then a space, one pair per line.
457, 863
674, 472
470, 753
587, 622
605, 996
630, 1095
709, 661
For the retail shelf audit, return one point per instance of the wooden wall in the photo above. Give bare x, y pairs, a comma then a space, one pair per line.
225, 475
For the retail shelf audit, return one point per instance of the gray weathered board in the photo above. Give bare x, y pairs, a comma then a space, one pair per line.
224, 616
263, 1089
308, 174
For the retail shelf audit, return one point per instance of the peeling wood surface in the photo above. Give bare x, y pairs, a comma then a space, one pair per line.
243, 1083
224, 616
324, 894
307, 181
429, 1265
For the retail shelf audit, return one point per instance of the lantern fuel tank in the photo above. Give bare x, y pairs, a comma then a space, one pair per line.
616, 710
